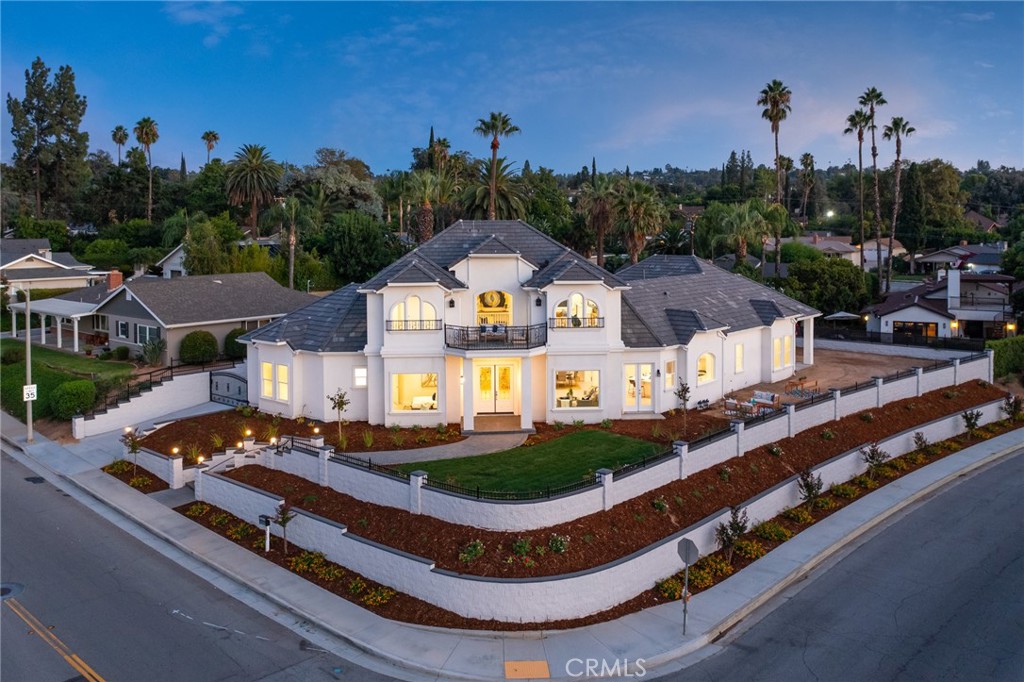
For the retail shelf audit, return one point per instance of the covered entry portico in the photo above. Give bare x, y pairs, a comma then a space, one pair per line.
74, 315
497, 387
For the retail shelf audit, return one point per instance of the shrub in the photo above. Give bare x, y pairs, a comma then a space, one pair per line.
241, 531
915, 458
118, 466
307, 562
728, 532
473, 551
971, 419
558, 543
920, 441
378, 596
866, 482
368, 439
606, 423
843, 490
232, 348
660, 504
775, 450
867, 417
71, 398
1013, 406
1009, 358
121, 353
198, 347
704, 572
810, 487
798, 515
522, 546
153, 351
11, 356
356, 585
140, 481
750, 549
219, 519
670, 588
771, 531
196, 510
725, 473
875, 457
828, 434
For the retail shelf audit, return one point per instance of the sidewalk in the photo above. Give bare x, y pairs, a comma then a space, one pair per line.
654, 635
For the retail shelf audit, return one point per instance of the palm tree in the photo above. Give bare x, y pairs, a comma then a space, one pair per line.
147, 134
899, 129
742, 225
495, 187
872, 98
858, 122
786, 164
294, 213
776, 223
211, 138
252, 179
393, 189
318, 205
442, 150
424, 189
673, 240
775, 98
597, 201
498, 125
806, 180
640, 215
120, 136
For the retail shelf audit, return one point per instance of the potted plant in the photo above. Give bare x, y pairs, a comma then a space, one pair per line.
576, 321
571, 398
88, 350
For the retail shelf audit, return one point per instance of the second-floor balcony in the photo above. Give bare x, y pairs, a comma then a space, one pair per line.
412, 325
495, 337
996, 304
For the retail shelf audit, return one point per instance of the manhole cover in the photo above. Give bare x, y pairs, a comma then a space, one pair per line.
10, 590
34, 479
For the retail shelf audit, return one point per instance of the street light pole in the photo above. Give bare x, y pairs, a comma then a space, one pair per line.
29, 437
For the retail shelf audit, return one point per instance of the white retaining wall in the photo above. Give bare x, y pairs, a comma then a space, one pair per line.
540, 599
172, 470
528, 515
181, 392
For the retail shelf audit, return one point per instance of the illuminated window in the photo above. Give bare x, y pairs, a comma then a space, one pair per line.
266, 380
413, 314
789, 350
359, 377
670, 375
705, 368
282, 382
739, 358
577, 311
578, 388
413, 392
776, 353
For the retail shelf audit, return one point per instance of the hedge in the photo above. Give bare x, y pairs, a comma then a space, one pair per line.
232, 348
13, 378
121, 353
198, 347
71, 398
1009, 356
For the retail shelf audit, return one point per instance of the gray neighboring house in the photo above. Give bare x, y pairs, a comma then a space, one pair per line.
149, 307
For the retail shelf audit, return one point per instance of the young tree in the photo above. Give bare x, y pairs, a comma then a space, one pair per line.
728, 532
775, 98
498, 125
339, 403
683, 393
283, 517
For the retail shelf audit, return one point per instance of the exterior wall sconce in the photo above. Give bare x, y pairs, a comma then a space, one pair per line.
954, 324
539, 302
1010, 326
451, 302
657, 373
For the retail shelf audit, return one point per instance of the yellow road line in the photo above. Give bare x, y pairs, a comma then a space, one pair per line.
47, 636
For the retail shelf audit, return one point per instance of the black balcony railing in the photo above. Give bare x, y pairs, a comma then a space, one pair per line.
412, 325
576, 323
983, 303
495, 337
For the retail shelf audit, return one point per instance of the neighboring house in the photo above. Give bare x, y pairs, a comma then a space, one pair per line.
495, 317
829, 245
728, 261
31, 264
980, 222
957, 304
73, 311
173, 264
153, 307
871, 252
977, 258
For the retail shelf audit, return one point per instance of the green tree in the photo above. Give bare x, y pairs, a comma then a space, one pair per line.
597, 203
897, 129
828, 284
211, 138
49, 148
775, 98
107, 254
207, 192
120, 137
872, 99
499, 184
147, 134
424, 191
252, 178
806, 181
858, 122
640, 215
204, 249
674, 240
742, 224
913, 218
498, 125
357, 246
798, 251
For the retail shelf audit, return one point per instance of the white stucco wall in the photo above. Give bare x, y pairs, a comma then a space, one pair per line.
179, 393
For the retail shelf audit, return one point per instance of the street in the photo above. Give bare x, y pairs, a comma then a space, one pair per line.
97, 604
937, 594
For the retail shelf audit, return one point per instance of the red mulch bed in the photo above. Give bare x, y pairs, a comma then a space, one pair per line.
155, 484
630, 526
674, 425
231, 426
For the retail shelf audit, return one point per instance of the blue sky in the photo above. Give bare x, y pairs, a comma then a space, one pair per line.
630, 83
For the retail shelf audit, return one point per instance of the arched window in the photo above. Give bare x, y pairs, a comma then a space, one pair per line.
494, 308
577, 311
705, 368
412, 314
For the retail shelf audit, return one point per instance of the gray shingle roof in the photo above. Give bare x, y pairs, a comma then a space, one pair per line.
494, 245
417, 270
674, 307
67, 260
336, 323
13, 249
43, 273
94, 294
572, 267
207, 298
661, 266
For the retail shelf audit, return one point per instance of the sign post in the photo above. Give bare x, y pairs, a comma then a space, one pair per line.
689, 553
29, 437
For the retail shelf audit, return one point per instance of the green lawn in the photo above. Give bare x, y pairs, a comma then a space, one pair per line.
70, 362
554, 463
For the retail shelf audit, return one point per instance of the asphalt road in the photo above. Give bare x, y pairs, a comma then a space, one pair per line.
105, 606
936, 594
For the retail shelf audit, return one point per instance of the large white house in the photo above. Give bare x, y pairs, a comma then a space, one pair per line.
496, 318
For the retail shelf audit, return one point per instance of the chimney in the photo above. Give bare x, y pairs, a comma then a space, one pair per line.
953, 288
963, 242
114, 279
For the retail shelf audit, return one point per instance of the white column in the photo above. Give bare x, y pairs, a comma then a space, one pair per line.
467, 394
60, 332
42, 329
14, 323
526, 394
809, 341
74, 327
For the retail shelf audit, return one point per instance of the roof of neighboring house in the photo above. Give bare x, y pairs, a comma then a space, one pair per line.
986, 258
769, 270
95, 294
922, 295
488, 237
67, 260
22, 274
983, 222
170, 253
728, 261
212, 298
13, 249
335, 323
670, 309
869, 245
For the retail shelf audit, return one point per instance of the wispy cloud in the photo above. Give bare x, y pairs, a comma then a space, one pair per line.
975, 17
984, 65
214, 16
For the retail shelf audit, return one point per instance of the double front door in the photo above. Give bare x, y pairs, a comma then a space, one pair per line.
495, 389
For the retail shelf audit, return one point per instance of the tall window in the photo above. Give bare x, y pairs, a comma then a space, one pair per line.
122, 330
282, 382
739, 358
788, 345
705, 368
670, 375
577, 311
776, 353
266, 380
413, 392
412, 314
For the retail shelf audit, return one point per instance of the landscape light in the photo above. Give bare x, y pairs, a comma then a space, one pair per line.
248, 432
199, 460
174, 450
273, 441
316, 429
